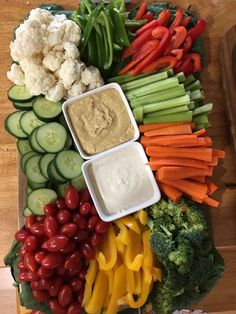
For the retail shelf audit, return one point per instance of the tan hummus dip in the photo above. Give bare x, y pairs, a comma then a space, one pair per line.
101, 121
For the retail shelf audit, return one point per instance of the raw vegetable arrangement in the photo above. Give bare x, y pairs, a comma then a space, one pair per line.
65, 259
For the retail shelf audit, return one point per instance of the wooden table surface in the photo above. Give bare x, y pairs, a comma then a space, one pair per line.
220, 16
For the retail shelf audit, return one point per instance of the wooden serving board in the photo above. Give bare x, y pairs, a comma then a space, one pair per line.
228, 66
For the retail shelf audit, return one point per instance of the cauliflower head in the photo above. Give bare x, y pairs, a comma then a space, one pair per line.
16, 74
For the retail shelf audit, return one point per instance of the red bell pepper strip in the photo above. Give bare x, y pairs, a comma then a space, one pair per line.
161, 63
187, 45
146, 49
185, 21
149, 25
141, 11
197, 30
164, 17
178, 18
187, 67
128, 67
177, 39
148, 16
195, 59
178, 53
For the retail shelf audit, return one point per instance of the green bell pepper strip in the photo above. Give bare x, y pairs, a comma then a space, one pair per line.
107, 37
92, 50
100, 50
135, 23
120, 28
79, 19
89, 5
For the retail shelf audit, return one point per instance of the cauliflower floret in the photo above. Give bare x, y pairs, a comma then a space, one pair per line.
16, 74
37, 79
92, 77
41, 15
56, 30
29, 40
76, 89
72, 32
53, 60
70, 71
56, 92
71, 51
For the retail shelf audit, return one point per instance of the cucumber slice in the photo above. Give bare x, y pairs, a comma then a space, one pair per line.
25, 158
19, 93
29, 122
32, 170
35, 186
28, 189
34, 144
62, 188
69, 142
44, 162
37, 199
51, 137
27, 212
62, 121
23, 105
53, 175
79, 183
23, 147
68, 164
46, 110
12, 125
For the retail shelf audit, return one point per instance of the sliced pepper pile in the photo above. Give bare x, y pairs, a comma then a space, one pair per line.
123, 270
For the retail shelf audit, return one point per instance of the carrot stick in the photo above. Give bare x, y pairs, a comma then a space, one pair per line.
169, 140
200, 179
218, 153
208, 141
200, 142
156, 126
170, 192
197, 200
200, 132
211, 202
184, 162
171, 130
178, 173
212, 187
173, 152
209, 172
214, 162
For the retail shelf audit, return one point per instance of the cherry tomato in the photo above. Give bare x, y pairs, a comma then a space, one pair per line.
72, 198
76, 284
73, 260
37, 229
32, 276
29, 262
50, 210
21, 235
80, 221
85, 196
55, 243
60, 203
61, 271
88, 251
31, 243
83, 273
20, 265
44, 272
30, 220
40, 218
81, 236
92, 222
96, 239
50, 226
75, 308
39, 256
94, 210
36, 312
52, 260
36, 285
55, 307
55, 287
69, 229
45, 283
65, 295
102, 227
80, 296
22, 251
23, 276
41, 296
85, 209
69, 248
63, 216
72, 272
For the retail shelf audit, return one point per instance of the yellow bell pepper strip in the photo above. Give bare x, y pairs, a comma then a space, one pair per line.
131, 223
120, 246
96, 301
147, 265
107, 255
90, 277
157, 274
110, 277
142, 216
142, 298
138, 282
119, 289
133, 257
130, 281
122, 236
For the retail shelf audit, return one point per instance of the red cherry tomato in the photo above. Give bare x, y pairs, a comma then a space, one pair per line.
36, 285
69, 229
96, 239
45, 283
52, 260
41, 296
61, 271
75, 308
80, 221
29, 221
102, 227
22, 251
73, 260
72, 198
50, 210
83, 273
37, 229
76, 284
21, 235
81, 236
71, 273
88, 251
54, 244
69, 248
20, 265
84, 196
55, 287
80, 296
65, 295
39, 256
60, 203
55, 307
36, 312
63, 216
94, 210
31, 243
92, 222
85, 209
40, 218
23, 276
50, 226
32, 276
45, 273
29, 262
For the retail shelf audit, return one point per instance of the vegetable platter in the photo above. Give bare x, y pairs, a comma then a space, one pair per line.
183, 266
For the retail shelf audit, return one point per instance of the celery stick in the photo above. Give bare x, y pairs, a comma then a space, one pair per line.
177, 117
196, 95
170, 72
153, 87
199, 126
181, 77
203, 109
201, 119
167, 111
189, 79
160, 96
191, 105
125, 78
138, 114
194, 86
144, 81
167, 104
